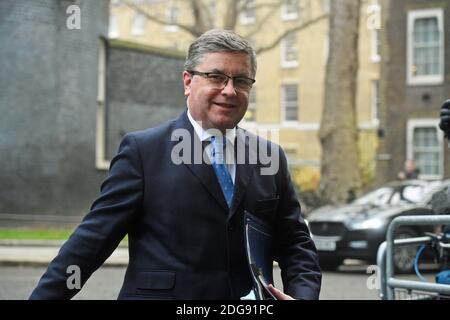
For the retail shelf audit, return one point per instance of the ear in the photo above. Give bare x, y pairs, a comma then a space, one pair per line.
187, 80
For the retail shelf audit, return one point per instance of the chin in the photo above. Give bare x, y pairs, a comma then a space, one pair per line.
225, 123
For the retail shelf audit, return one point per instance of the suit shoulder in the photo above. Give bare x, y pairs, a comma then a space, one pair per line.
272, 145
153, 134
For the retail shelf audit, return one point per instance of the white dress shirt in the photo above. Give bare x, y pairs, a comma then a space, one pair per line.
230, 135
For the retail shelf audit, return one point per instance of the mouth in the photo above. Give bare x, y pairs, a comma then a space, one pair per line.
225, 105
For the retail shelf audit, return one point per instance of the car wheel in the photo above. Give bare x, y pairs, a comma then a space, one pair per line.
329, 264
404, 256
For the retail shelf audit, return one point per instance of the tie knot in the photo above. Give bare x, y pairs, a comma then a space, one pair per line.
218, 145
218, 141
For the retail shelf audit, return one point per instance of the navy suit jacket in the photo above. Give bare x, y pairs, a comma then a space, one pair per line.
184, 242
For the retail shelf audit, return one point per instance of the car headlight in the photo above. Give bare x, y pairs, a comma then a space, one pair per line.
367, 224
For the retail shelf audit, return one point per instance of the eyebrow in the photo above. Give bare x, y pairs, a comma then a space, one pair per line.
222, 72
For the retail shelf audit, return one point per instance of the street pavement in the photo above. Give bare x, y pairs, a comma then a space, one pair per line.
31, 252
22, 263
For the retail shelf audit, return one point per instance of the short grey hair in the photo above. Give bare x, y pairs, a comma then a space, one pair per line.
218, 40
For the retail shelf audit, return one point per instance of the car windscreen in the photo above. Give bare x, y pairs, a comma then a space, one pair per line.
377, 197
393, 195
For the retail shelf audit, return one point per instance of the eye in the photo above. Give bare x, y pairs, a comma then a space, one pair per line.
216, 77
242, 82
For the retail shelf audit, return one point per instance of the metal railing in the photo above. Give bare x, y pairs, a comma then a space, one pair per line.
385, 257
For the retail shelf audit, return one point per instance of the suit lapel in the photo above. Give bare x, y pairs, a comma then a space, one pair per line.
244, 172
204, 172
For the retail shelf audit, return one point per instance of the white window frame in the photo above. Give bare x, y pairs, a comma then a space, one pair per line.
288, 16
113, 29
284, 121
245, 17
376, 56
212, 7
412, 17
292, 63
374, 25
326, 6
375, 101
252, 105
326, 47
101, 163
136, 28
291, 154
169, 15
425, 123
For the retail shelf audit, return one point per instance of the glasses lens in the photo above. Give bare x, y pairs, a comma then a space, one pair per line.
217, 79
243, 83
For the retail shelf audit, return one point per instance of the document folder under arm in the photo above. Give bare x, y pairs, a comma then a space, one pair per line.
260, 252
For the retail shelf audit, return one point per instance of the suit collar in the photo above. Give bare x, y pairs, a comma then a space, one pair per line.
206, 135
205, 173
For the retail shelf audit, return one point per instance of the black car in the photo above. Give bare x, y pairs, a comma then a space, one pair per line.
356, 230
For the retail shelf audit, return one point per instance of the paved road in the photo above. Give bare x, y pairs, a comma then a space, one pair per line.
17, 283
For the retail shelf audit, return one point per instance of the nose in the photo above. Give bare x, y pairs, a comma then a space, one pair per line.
229, 89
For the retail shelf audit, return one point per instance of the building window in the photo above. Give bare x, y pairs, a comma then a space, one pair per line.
374, 25
376, 45
172, 19
213, 10
289, 102
326, 6
425, 147
250, 116
248, 15
425, 47
251, 40
291, 157
113, 31
326, 47
289, 55
138, 24
289, 10
375, 100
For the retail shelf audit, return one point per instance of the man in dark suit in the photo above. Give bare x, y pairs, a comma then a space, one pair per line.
185, 218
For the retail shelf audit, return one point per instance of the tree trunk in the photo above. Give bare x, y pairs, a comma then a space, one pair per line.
340, 178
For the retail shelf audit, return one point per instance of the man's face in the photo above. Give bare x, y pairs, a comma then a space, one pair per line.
218, 108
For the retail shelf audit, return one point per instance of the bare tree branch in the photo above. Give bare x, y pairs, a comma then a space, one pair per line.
289, 31
199, 16
274, 4
208, 15
231, 15
236, 7
262, 21
189, 28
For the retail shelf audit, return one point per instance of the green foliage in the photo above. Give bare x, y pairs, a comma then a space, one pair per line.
35, 234
39, 234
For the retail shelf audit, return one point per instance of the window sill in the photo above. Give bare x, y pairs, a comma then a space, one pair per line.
289, 65
289, 17
425, 81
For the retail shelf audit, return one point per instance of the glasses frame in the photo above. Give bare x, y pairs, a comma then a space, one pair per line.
207, 75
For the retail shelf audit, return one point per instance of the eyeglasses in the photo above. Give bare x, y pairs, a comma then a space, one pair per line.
220, 80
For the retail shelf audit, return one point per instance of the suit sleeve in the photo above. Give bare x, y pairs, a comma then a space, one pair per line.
295, 250
102, 229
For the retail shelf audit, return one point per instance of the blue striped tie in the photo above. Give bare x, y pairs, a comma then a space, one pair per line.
220, 168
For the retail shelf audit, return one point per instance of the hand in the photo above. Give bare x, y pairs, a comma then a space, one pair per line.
279, 294
444, 124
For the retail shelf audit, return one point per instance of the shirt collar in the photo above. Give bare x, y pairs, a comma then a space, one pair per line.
204, 135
